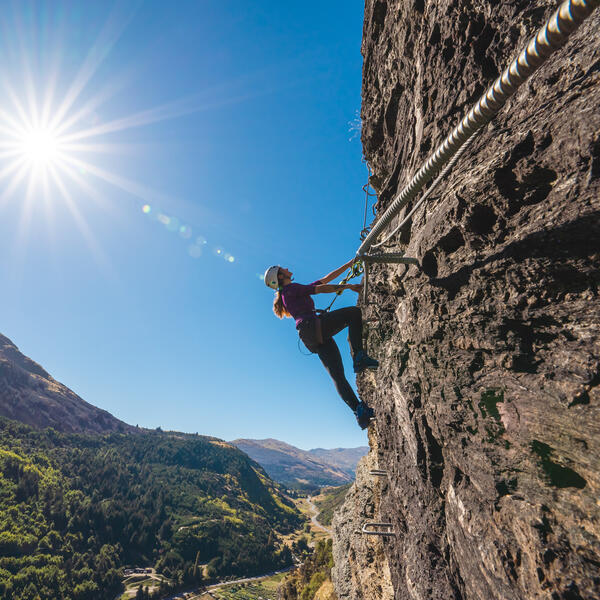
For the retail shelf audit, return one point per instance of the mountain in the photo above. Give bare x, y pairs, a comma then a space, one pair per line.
344, 459
300, 469
77, 508
30, 395
88, 495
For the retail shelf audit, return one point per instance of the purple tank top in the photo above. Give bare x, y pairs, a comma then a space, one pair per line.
297, 301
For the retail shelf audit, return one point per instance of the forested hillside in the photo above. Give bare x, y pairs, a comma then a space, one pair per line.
313, 578
76, 508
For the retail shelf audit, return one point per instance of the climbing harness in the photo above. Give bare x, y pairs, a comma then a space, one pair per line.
552, 36
356, 269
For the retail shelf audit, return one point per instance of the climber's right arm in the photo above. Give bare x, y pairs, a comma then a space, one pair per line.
329, 288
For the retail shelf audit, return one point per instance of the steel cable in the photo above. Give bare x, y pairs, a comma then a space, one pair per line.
426, 195
548, 39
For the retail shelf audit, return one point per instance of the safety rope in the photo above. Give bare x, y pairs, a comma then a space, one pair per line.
552, 36
356, 269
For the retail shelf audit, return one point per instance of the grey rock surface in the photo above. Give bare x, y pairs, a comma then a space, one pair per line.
487, 397
360, 567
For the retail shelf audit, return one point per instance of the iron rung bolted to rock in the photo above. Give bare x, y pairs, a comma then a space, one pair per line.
378, 472
390, 257
373, 528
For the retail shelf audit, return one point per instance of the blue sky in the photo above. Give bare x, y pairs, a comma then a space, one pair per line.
234, 124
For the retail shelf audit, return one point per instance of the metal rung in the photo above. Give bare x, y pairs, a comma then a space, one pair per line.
391, 257
378, 472
381, 533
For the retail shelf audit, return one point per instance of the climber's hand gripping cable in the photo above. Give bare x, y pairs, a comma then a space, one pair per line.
335, 274
356, 269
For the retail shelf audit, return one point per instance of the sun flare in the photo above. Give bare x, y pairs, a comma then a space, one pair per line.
63, 146
41, 146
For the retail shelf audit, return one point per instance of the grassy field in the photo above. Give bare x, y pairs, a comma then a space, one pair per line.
265, 589
134, 581
132, 584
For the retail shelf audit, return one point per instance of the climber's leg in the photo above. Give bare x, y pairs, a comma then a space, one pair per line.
351, 316
330, 357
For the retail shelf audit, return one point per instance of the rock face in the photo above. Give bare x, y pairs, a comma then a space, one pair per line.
361, 568
487, 397
30, 395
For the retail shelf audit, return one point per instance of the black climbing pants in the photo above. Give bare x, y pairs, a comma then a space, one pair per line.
329, 353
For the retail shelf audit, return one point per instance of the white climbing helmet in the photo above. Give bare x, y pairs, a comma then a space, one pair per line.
271, 277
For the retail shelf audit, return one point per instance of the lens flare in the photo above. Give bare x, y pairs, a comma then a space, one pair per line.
146, 209
173, 224
195, 251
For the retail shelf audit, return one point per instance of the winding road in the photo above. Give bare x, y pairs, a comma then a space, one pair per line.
197, 594
313, 518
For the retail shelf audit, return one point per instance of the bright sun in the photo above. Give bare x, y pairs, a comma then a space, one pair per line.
41, 146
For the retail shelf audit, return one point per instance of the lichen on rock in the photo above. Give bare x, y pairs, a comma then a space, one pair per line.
487, 397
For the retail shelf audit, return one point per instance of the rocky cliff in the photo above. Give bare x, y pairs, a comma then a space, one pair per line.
487, 397
361, 565
30, 395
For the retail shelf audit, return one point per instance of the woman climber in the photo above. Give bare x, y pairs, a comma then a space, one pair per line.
316, 332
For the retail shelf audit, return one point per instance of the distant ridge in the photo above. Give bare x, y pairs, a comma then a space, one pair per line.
344, 459
299, 469
30, 395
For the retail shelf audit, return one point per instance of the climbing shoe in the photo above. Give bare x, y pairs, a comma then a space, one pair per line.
364, 414
362, 362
